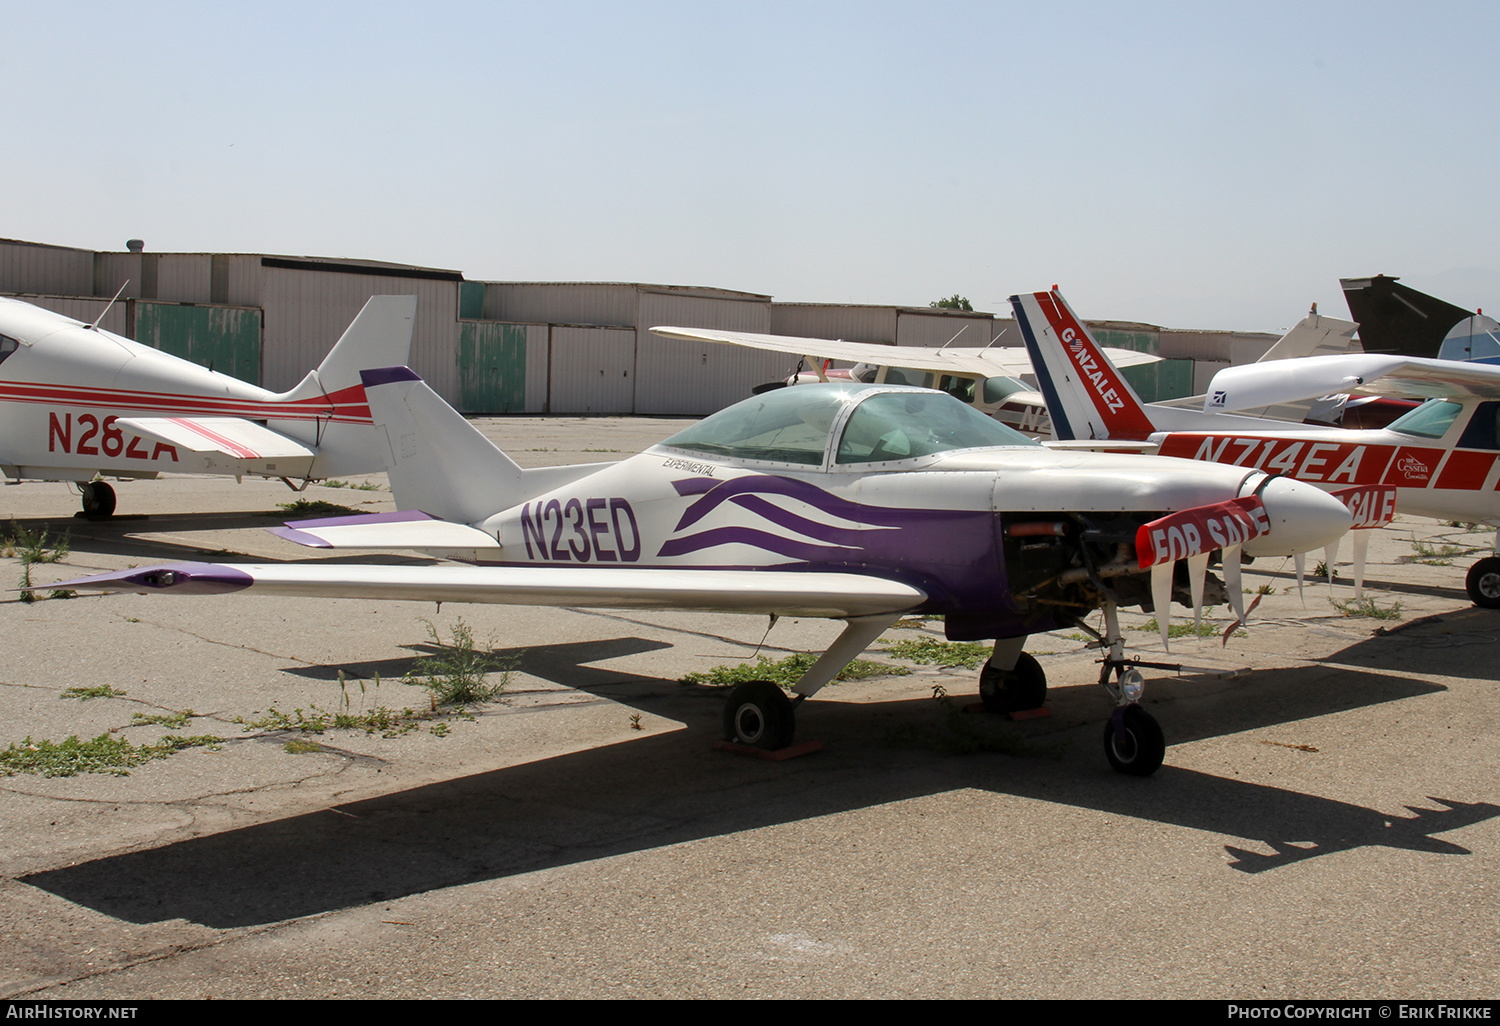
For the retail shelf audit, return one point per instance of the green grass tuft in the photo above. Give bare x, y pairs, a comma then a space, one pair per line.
786, 672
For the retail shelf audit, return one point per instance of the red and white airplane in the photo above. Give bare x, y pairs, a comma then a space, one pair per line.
1440, 460
77, 402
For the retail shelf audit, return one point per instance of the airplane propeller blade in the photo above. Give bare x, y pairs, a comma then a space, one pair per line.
1161, 598
1197, 571
1361, 547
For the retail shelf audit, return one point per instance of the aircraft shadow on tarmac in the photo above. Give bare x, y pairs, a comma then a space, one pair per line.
670, 788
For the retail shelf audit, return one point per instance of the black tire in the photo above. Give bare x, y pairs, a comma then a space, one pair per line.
759, 714
1140, 747
1007, 691
1483, 583
98, 500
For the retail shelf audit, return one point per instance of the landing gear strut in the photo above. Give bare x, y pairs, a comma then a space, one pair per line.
98, 500
1133, 741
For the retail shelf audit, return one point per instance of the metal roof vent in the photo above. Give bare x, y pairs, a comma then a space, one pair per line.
135, 245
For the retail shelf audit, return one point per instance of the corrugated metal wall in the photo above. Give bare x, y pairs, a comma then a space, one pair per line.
921, 328
561, 303
847, 322
54, 270
697, 378
222, 338
592, 370
307, 311
502, 368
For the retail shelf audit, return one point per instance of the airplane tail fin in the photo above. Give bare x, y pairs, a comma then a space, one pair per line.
1087, 397
1394, 318
379, 336
327, 410
437, 461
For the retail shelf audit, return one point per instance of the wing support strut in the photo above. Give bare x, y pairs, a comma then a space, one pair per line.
857, 636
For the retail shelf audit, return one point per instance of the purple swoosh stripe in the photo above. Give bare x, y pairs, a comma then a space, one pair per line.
695, 485
793, 522
759, 539
877, 516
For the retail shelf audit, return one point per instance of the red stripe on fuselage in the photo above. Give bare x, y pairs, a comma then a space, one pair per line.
347, 405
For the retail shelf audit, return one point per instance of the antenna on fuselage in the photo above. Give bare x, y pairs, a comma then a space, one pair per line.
948, 343
95, 325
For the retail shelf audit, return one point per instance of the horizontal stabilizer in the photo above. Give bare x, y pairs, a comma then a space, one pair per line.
408, 530
224, 445
786, 593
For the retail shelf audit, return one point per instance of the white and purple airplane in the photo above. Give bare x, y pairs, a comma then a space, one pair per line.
861, 503
77, 402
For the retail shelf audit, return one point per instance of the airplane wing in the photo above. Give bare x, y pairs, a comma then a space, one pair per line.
1262, 384
225, 445
995, 361
788, 593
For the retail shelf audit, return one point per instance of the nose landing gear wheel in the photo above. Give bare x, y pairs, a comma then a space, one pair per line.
1133, 742
759, 714
1007, 691
98, 500
1483, 583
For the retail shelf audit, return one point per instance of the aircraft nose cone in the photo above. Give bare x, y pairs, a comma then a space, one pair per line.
1303, 518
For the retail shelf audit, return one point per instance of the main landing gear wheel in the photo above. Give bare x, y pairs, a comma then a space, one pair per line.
760, 715
98, 500
1136, 746
1007, 691
1483, 583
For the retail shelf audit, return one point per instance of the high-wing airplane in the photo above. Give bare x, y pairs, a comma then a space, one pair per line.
985, 378
1439, 460
862, 503
989, 378
77, 401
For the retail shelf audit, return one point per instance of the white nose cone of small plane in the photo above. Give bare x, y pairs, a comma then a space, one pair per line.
1303, 517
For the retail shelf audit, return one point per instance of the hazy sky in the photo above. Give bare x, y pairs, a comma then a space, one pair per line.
1198, 165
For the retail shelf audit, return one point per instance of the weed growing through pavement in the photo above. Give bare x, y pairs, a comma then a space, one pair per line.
1185, 630
458, 674
787, 672
97, 691
1367, 606
1439, 555
33, 549
929, 651
362, 486
106, 753
313, 508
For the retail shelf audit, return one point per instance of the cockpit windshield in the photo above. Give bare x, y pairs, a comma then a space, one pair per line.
904, 425
788, 425
1430, 420
795, 425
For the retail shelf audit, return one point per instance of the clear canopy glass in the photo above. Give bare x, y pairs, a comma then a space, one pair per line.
796, 424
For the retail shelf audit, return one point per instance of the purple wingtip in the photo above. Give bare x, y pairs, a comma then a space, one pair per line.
181, 578
387, 375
